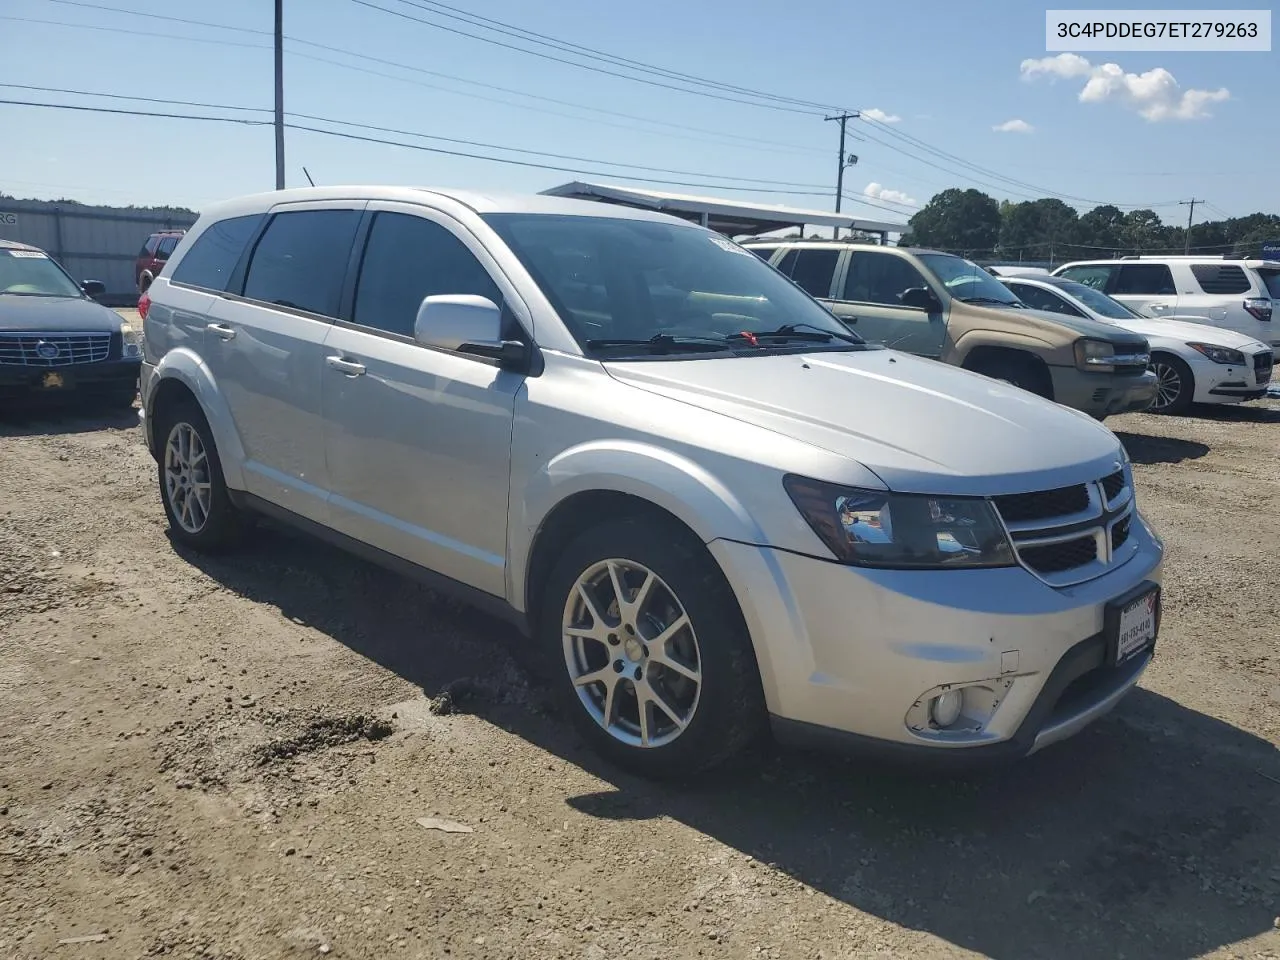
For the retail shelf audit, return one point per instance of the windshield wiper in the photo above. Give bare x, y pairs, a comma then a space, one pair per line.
793, 331
1002, 303
662, 343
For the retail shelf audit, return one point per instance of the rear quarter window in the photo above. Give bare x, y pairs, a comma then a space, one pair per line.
1271, 282
214, 255
1225, 278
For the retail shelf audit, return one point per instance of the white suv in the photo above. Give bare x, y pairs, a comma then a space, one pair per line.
1239, 295
707, 503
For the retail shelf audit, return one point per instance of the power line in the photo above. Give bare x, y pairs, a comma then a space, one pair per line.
587, 66
121, 96
771, 144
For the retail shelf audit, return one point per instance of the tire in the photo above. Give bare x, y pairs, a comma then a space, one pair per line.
144, 284
1024, 374
222, 525
1177, 387
722, 710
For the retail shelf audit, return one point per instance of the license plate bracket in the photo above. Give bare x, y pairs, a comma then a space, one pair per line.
1132, 623
55, 380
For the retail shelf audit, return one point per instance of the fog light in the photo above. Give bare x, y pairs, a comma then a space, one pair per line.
945, 708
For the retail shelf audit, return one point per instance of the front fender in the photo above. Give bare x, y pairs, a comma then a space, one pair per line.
1004, 340
189, 369
661, 476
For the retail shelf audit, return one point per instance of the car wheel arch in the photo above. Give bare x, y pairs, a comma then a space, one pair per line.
986, 356
181, 373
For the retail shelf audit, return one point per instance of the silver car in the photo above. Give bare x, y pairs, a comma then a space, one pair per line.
714, 510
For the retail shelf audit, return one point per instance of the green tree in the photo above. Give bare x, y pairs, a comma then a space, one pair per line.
1037, 229
1101, 231
964, 221
1143, 231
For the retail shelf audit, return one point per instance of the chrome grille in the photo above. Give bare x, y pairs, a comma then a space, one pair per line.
1071, 534
53, 349
1262, 364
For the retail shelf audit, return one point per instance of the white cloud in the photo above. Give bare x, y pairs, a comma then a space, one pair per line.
1013, 126
878, 192
878, 115
1155, 94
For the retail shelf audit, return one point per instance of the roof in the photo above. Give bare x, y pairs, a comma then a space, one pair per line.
1043, 280
725, 216
478, 201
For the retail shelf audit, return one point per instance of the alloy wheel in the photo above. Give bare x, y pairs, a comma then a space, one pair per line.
1168, 386
632, 653
187, 482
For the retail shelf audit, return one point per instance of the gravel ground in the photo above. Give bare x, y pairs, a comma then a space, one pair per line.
239, 758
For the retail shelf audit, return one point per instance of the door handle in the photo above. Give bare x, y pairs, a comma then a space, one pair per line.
222, 330
342, 365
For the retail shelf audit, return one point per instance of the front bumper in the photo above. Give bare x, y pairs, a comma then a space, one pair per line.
29, 381
1229, 383
846, 654
1103, 395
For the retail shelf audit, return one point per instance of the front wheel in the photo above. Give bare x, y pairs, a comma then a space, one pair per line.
653, 655
192, 488
1176, 386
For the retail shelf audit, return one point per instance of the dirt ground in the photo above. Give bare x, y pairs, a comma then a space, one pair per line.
230, 758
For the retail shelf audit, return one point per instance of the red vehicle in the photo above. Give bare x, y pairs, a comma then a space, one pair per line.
152, 256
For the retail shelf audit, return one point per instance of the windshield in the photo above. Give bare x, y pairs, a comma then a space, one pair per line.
1098, 302
30, 273
616, 282
967, 281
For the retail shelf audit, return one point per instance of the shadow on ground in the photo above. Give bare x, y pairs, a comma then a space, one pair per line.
1239, 413
1149, 835
51, 417
1148, 450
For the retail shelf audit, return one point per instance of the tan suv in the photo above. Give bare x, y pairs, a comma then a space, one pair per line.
947, 308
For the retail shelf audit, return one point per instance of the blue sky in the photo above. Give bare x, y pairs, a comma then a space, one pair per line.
944, 73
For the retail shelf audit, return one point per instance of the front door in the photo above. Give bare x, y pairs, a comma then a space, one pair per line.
266, 352
418, 440
870, 302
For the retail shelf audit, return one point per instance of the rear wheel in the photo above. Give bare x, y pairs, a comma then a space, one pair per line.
1176, 384
192, 487
655, 661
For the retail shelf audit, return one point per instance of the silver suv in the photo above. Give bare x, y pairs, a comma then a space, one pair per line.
712, 508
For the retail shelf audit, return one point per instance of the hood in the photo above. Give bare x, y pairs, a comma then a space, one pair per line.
55, 315
921, 426
1187, 328
1084, 326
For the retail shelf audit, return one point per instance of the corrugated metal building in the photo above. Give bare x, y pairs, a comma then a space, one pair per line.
92, 243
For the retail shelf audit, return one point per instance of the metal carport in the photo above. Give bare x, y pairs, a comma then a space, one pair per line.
729, 217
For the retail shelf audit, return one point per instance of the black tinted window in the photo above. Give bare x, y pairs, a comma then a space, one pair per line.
1220, 279
406, 259
880, 278
1041, 299
1144, 278
214, 255
301, 260
764, 253
167, 246
814, 269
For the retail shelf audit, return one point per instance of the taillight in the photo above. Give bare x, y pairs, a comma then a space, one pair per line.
1259, 308
144, 304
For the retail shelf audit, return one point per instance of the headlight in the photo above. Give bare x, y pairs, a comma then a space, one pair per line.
1219, 354
130, 342
874, 528
1095, 355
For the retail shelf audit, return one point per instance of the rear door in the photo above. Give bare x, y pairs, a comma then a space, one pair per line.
869, 301
1145, 287
418, 439
265, 349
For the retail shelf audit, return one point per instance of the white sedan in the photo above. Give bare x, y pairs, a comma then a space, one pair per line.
1196, 363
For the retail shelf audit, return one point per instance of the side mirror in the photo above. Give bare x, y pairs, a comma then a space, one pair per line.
467, 324
93, 288
922, 298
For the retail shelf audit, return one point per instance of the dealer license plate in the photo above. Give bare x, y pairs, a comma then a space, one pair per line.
1136, 625
53, 381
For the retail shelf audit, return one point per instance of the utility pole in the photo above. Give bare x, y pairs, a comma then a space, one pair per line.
279, 94
1186, 248
844, 117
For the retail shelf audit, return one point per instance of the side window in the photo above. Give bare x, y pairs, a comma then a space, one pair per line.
1091, 276
149, 248
1145, 278
764, 253
814, 269
1040, 299
880, 278
212, 258
167, 246
1227, 278
301, 260
788, 261
406, 259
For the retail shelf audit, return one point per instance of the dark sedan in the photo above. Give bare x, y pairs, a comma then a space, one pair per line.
55, 340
